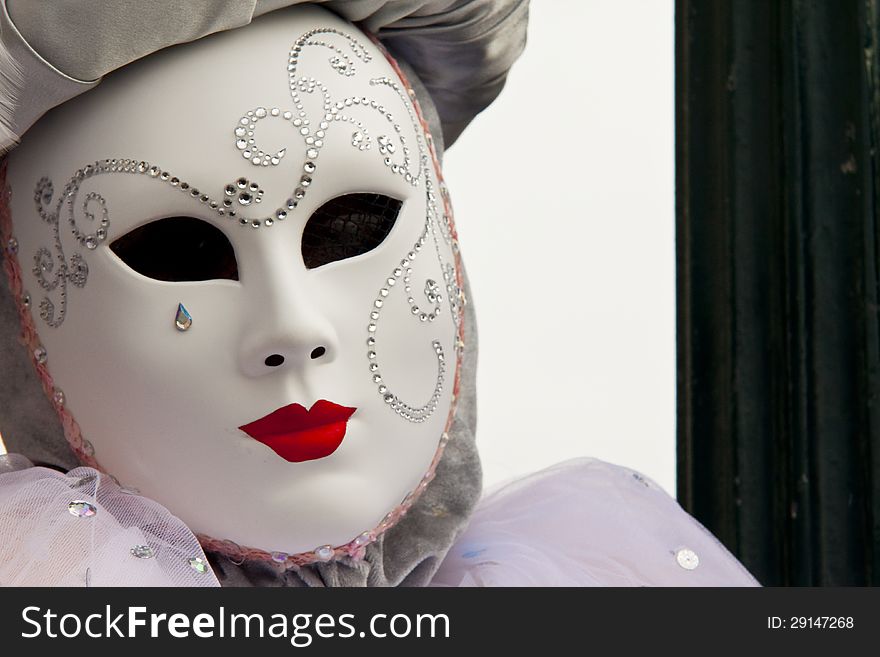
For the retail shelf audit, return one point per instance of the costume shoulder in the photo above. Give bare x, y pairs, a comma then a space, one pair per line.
587, 523
82, 529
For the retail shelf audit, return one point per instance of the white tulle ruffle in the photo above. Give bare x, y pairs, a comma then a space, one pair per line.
580, 523
82, 529
587, 523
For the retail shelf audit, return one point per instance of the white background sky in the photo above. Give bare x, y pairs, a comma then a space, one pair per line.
564, 200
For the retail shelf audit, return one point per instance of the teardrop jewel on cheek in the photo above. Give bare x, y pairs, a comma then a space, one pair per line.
183, 320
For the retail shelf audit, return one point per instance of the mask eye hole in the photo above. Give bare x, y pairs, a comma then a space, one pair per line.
178, 249
348, 226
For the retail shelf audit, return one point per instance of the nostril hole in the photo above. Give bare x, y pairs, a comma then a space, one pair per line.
317, 352
275, 360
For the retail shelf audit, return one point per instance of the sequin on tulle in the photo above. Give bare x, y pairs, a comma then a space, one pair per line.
82, 509
687, 558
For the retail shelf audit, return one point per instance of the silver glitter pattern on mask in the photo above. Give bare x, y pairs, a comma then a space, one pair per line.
391, 147
51, 267
431, 290
53, 271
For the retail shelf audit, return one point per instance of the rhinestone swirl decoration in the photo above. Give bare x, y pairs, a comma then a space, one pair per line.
432, 294
54, 271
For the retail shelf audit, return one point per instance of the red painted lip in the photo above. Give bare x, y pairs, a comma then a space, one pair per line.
297, 434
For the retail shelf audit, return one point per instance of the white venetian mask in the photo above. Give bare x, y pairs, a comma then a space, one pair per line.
243, 284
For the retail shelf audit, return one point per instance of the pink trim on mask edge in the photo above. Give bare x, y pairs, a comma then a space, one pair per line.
354, 549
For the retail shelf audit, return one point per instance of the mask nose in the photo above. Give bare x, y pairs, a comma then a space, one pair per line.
287, 343
277, 360
285, 329
292, 335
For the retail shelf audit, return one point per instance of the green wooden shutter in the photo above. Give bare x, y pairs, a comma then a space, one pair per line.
778, 131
